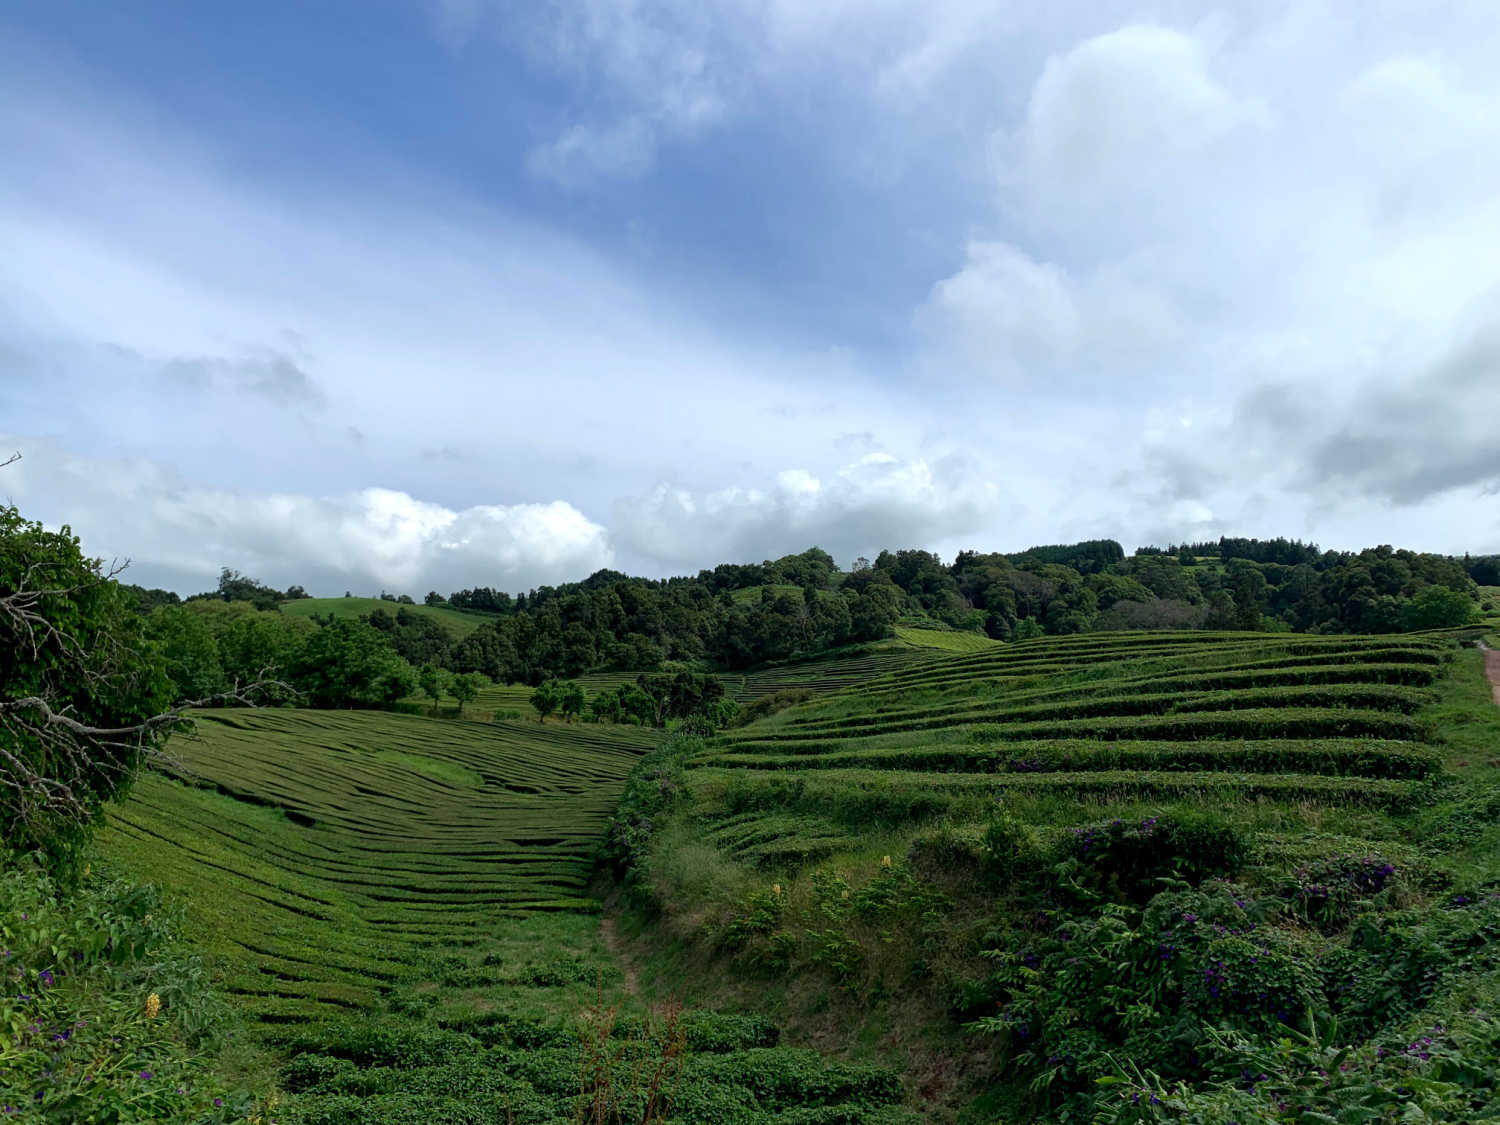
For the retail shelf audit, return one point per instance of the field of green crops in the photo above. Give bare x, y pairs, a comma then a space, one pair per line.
1099, 718
459, 622
843, 854
400, 910
319, 844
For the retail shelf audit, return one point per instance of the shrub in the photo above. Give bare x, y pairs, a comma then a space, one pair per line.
1134, 858
770, 704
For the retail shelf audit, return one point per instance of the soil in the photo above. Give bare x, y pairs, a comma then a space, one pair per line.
1492, 669
616, 945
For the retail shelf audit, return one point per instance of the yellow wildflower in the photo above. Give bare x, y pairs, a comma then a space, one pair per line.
775, 888
885, 861
153, 1006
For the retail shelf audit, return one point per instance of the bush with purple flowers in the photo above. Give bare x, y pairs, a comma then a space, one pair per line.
80, 1038
1330, 892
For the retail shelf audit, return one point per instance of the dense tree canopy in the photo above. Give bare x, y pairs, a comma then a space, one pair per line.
83, 693
739, 615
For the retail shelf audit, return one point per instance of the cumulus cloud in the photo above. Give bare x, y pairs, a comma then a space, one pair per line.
875, 502
180, 535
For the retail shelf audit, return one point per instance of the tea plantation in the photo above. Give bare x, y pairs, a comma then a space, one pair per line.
400, 906
1173, 876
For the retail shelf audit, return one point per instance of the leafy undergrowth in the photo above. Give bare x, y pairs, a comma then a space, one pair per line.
105, 1016
535, 1027
1098, 934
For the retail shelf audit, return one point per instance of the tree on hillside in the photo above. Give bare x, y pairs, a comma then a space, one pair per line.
85, 698
545, 699
464, 687
434, 683
349, 664
1436, 607
570, 700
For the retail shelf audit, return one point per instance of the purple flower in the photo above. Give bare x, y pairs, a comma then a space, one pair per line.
146, 1075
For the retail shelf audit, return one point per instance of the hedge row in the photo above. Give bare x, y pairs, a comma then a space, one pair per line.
1331, 757
1248, 723
861, 798
1361, 696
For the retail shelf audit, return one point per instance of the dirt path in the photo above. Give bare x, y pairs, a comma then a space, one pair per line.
616, 946
1492, 669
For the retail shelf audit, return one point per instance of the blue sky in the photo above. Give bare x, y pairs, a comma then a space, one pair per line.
451, 292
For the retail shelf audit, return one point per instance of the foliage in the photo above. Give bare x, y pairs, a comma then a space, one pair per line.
104, 1016
348, 664
81, 688
1132, 859
464, 687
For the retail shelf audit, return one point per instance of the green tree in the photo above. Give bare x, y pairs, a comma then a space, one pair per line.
464, 687
84, 694
570, 700
434, 683
349, 664
1436, 607
186, 640
1028, 628
546, 699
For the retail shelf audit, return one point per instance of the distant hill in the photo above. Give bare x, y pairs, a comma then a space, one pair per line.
459, 622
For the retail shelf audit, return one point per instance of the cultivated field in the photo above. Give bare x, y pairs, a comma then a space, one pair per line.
459, 622
318, 845
400, 907
923, 847
1306, 718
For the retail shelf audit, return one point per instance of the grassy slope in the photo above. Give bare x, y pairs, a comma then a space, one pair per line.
399, 907
459, 622
945, 640
818, 796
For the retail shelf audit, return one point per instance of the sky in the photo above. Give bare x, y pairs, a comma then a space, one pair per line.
432, 294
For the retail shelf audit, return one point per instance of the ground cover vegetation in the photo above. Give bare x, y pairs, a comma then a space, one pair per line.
1125, 877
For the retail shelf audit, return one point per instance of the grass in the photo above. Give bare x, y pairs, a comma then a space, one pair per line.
459, 622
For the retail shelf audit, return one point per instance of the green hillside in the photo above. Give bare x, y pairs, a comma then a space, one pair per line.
459, 622
400, 909
948, 842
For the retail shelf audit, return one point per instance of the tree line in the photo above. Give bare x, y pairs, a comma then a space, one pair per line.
738, 616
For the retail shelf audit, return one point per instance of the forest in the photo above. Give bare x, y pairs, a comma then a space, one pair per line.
738, 616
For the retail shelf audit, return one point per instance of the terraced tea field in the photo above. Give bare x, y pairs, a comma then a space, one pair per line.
1304, 720
400, 907
459, 622
318, 847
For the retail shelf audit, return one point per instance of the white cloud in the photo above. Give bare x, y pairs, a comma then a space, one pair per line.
181, 535
872, 503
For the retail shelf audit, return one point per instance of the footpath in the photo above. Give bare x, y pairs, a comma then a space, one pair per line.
1492, 669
